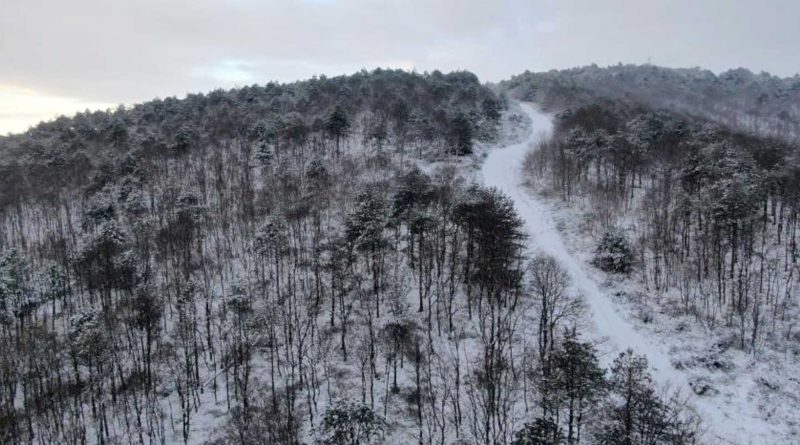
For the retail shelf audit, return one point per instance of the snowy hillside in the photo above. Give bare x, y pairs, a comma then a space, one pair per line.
733, 413
394, 257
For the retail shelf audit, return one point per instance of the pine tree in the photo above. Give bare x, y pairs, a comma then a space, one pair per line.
614, 252
579, 380
460, 135
338, 125
636, 415
539, 432
349, 423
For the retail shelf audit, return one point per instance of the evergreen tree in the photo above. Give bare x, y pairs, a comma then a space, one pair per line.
614, 252
636, 415
349, 423
539, 432
579, 382
338, 125
13, 286
460, 135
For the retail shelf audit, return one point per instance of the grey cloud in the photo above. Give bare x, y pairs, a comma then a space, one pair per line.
134, 50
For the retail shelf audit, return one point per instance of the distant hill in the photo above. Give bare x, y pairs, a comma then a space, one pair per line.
760, 103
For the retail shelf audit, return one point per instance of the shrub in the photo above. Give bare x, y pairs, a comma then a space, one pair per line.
614, 252
539, 432
349, 423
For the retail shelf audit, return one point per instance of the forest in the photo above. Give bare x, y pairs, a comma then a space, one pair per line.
694, 221
315, 262
714, 211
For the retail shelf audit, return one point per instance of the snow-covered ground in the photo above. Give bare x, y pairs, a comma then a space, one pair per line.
731, 416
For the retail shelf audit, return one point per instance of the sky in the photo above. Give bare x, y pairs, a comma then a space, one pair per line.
59, 57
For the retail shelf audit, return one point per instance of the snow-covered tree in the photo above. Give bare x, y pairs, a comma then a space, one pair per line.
614, 252
350, 423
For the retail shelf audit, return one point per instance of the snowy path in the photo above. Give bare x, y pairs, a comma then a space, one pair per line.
732, 421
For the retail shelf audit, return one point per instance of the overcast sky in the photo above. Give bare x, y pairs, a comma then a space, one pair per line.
61, 56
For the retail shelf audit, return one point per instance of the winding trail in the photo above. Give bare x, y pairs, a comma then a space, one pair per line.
732, 421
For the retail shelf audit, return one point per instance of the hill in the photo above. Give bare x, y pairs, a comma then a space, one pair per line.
761, 104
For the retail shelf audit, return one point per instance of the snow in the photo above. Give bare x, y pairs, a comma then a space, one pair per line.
730, 419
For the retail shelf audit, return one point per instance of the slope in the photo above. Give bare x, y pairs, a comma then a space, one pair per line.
731, 421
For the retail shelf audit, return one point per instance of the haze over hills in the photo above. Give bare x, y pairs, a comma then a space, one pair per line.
401, 257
